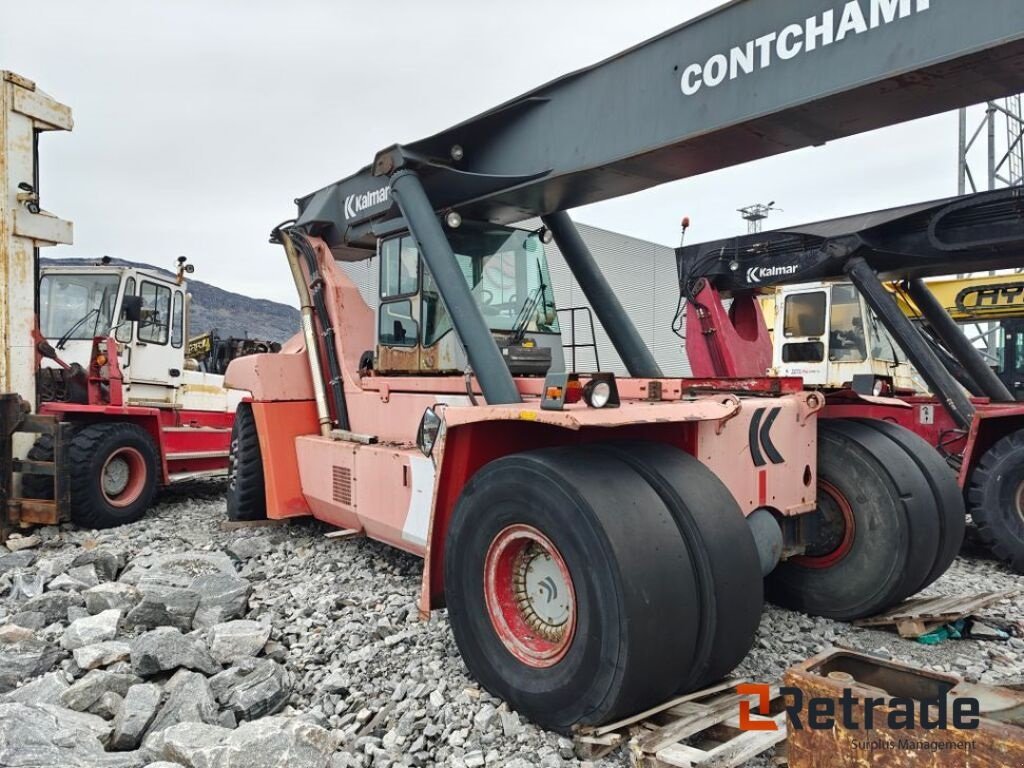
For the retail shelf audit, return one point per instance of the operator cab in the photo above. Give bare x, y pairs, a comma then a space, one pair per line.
507, 273
826, 334
76, 304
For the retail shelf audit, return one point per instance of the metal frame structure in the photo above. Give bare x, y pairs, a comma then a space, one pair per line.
1006, 169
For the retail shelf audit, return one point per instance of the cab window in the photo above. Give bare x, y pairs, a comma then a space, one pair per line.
506, 272
803, 352
124, 329
882, 345
154, 327
805, 314
846, 326
397, 327
436, 321
178, 329
77, 306
399, 267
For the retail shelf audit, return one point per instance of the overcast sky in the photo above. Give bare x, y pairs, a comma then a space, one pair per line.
197, 122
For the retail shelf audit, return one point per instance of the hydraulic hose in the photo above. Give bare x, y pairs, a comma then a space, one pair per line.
336, 382
323, 413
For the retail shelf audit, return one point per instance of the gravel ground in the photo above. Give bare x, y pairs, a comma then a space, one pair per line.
385, 687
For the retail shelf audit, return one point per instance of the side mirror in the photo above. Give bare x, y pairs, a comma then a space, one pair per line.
429, 429
131, 308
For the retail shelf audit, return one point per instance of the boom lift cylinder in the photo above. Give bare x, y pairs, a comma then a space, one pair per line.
939, 380
955, 340
620, 329
496, 381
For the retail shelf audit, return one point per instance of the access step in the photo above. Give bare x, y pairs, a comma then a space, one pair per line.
197, 455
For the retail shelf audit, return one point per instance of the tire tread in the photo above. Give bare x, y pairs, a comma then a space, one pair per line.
246, 494
987, 517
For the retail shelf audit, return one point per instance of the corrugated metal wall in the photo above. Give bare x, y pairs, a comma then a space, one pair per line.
643, 274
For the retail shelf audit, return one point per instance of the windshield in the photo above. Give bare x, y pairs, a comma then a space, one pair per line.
507, 273
85, 299
846, 332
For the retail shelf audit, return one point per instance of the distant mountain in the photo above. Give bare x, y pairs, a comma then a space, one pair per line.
232, 314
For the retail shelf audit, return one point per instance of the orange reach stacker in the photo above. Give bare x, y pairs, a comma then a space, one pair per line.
600, 542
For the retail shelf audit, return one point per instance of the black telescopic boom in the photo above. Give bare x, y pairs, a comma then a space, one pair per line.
496, 381
939, 380
751, 79
957, 343
620, 329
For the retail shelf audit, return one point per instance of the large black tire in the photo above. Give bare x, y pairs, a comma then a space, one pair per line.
113, 470
879, 539
721, 547
950, 515
39, 486
246, 495
995, 498
622, 559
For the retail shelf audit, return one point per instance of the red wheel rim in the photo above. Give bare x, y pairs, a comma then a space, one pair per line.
123, 477
530, 596
842, 512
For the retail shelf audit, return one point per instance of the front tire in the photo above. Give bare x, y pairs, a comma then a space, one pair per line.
570, 592
112, 473
995, 497
721, 547
876, 538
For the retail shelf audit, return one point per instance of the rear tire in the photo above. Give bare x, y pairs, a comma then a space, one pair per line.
113, 474
721, 547
950, 514
246, 494
877, 537
995, 497
627, 639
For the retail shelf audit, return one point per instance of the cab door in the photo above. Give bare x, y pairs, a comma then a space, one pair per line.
802, 345
157, 355
398, 311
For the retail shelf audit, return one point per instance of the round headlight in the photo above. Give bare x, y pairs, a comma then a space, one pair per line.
597, 394
879, 388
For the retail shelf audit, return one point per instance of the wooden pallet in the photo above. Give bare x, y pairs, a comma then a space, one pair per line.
922, 615
708, 720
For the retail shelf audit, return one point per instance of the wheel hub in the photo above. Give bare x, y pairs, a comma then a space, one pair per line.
834, 529
529, 595
541, 593
123, 477
115, 476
